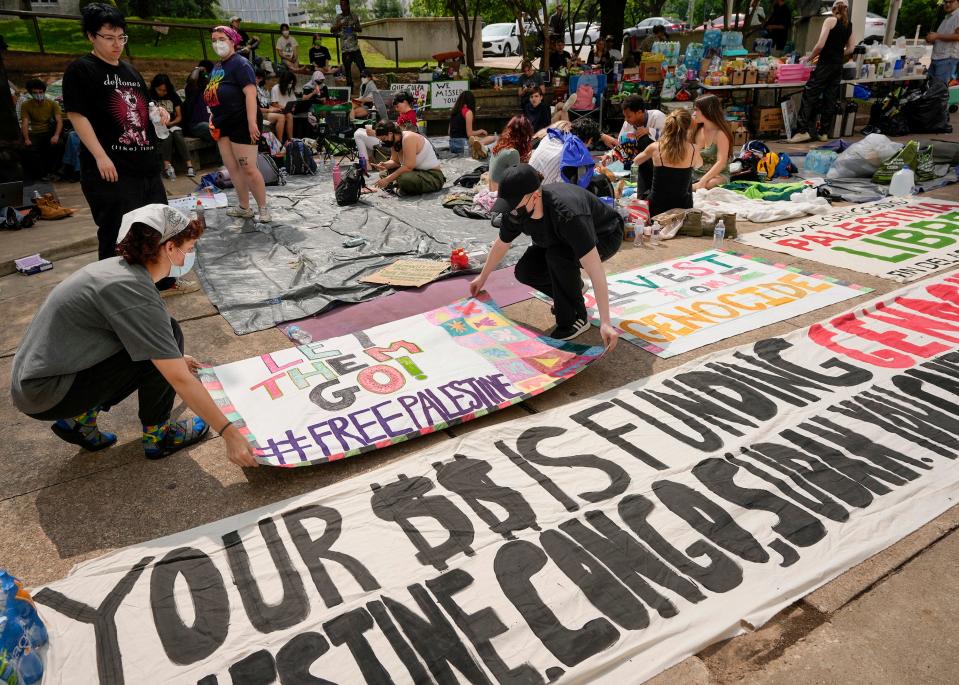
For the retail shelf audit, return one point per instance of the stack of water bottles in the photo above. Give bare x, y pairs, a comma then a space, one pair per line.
22, 634
819, 162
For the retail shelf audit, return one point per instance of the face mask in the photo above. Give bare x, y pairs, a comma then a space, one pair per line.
38, 96
286, 34
364, 81
189, 258
221, 48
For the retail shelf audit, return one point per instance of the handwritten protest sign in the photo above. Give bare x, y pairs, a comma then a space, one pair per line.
443, 94
897, 238
419, 91
339, 397
679, 305
599, 542
411, 273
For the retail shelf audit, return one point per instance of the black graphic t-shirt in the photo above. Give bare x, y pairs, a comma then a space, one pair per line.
116, 101
224, 92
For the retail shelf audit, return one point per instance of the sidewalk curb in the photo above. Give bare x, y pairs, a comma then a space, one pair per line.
73, 249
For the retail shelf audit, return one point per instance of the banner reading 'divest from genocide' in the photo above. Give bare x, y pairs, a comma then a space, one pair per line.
339, 397
682, 304
896, 238
599, 542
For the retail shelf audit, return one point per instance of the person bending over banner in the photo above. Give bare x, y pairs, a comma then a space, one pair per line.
104, 333
569, 227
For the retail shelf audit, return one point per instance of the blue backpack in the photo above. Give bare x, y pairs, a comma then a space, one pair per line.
576, 165
299, 158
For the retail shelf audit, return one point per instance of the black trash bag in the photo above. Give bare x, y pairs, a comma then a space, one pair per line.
928, 112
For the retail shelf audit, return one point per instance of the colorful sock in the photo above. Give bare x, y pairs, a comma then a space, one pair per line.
85, 425
168, 437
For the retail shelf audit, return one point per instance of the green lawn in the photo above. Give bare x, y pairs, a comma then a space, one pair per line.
63, 36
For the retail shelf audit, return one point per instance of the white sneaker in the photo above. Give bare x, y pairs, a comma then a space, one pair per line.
800, 138
265, 216
240, 212
170, 173
823, 138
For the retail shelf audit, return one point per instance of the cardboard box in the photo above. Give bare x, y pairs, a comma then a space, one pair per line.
752, 76
651, 71
767, 119
740, 135
737, 77
632, 74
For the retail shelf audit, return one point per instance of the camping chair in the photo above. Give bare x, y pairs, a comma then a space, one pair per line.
336, 136
590, 90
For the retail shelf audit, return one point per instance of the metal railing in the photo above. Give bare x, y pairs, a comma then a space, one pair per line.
203, 32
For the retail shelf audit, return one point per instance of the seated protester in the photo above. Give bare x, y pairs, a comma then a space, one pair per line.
284, 92
536, 111
599, 56
196, 111
674, 159
320, 56
368, 147
570, 229
248, 44
530, 81
164, 94
312, 95
104, 333
558, 57
547, 157
271, 113
364, 103
413, 166
288, 49
514, 145
41, 125
613, 47
640, 128
461, 129
405, 114
711, 135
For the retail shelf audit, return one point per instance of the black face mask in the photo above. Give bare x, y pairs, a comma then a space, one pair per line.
520, 214
398, 144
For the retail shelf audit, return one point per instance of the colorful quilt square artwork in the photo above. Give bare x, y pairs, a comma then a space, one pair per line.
343, 396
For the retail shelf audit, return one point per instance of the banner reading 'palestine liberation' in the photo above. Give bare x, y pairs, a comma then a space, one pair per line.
599, 542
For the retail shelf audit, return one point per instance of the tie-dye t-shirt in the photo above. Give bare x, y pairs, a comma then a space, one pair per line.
224, 92
115, 99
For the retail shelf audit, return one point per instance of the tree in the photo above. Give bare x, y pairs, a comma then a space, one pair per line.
465, 16
386, 9
912, 14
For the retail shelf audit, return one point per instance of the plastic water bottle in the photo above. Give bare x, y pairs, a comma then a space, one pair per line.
36, 195
337, 174
902, 182
299, 335
161, 129
719, 235
200, 214
654, 236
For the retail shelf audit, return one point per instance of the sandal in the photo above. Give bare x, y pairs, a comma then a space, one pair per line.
173, 436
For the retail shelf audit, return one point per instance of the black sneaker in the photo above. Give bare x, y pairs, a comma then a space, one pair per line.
576, 329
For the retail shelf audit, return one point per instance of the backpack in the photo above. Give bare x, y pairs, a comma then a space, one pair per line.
576, 165
272, 176
299, 159
350, 187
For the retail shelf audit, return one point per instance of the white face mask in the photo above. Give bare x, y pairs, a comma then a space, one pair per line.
221, 48
286, 34
189, 259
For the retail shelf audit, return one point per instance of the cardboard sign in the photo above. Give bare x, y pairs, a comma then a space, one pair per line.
443, 94
599, 542
898, 238
419, 91
411, 273
683, 304
343, 396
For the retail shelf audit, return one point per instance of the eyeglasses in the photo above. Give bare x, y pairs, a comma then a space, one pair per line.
121, 39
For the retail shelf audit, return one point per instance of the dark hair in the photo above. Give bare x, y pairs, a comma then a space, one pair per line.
634, 103
518, 135
385, 128
586, 129
466, 98
366, 73
259, 73
287, 82
96, 15
142, 244
403, 96
659, 28
206, 64
162, 80
284, 26
36, 84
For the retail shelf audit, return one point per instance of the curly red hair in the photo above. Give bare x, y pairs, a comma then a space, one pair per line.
142, 244
518, 135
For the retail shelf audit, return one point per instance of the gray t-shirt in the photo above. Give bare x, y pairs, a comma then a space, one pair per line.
103, 308
500, 162
947, 49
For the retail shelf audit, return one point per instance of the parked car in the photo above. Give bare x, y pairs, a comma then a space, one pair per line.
585, 33
736, 21
875, 23
645, 27
500, 40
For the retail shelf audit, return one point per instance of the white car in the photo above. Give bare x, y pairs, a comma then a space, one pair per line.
875, 25
585, 33
500, 40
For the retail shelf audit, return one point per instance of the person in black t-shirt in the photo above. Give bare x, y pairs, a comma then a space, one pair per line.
780, 19
570, 227
107, 103
320, 56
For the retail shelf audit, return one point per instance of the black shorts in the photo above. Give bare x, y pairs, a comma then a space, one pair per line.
236, 128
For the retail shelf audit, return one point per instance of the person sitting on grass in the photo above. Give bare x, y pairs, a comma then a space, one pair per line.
104, 333
413, 166
462, 132
288, 49
164, 95
320, 56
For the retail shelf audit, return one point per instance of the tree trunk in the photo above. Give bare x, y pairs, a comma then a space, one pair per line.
613, 14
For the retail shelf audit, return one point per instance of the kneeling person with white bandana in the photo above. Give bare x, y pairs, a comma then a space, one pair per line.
104, 333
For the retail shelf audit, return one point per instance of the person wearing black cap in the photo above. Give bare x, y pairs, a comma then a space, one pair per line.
570, 227
104, 333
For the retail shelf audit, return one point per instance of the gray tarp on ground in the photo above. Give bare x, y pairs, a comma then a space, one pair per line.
297, 266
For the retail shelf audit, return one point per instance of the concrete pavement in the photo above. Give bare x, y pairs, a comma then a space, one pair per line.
884, 621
